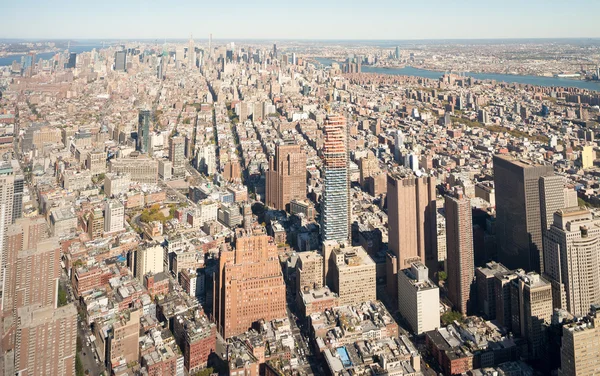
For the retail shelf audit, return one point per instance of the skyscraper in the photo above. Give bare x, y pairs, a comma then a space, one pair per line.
572, 259
286, 178
459, 248
412, 224
335, 213
518, 214
72, 60
121, 61
7, 187
143, 133
177, 156
191, 54
274, 51
249, 284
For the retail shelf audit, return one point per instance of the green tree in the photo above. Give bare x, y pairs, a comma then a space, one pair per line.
79, 371
62, 296
442, 275
451, 316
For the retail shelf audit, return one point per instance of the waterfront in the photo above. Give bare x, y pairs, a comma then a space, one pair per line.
8, 60
509, 78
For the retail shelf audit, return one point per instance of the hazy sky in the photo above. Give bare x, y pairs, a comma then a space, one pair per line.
306, 19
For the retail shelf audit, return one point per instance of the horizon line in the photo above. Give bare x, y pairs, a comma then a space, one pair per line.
44, 39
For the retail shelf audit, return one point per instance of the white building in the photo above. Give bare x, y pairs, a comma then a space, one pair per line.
418, 298
114, 215
149, 259
116, 184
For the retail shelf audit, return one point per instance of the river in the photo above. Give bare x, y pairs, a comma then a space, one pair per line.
509, 78
8, 60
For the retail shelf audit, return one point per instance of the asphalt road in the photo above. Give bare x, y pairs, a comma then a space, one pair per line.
87, 353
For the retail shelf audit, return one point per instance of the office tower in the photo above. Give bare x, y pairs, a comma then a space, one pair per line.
121, 61
274, 51
420, 298
398, 145
177, 156
485, 281
531, 310
72, 60
286, 178
46, 340
335, 212
552, 198
572, 259
95, 224
149, 258
459, 250
412, 225
191, 54
580, 349
249, 284
350, 272
114, 214
143, 133
518, 214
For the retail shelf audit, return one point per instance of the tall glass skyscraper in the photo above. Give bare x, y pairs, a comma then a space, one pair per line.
143, 134
335, 213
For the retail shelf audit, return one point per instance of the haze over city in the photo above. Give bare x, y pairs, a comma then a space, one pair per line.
269, 19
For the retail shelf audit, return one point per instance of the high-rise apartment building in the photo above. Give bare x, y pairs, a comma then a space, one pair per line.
249, 284
518, 214
420, 298
46, 340
7, 188
531, 310
177, 156
335, 212
143, 131
114, 215
286, 178
459, 250
572, 259
412, 222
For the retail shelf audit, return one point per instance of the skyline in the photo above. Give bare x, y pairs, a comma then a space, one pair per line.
267, 19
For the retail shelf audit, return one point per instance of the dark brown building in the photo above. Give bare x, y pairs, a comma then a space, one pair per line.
286, 178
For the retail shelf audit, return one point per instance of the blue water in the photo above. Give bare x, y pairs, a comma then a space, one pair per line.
344, 357
509, 78
8, 60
